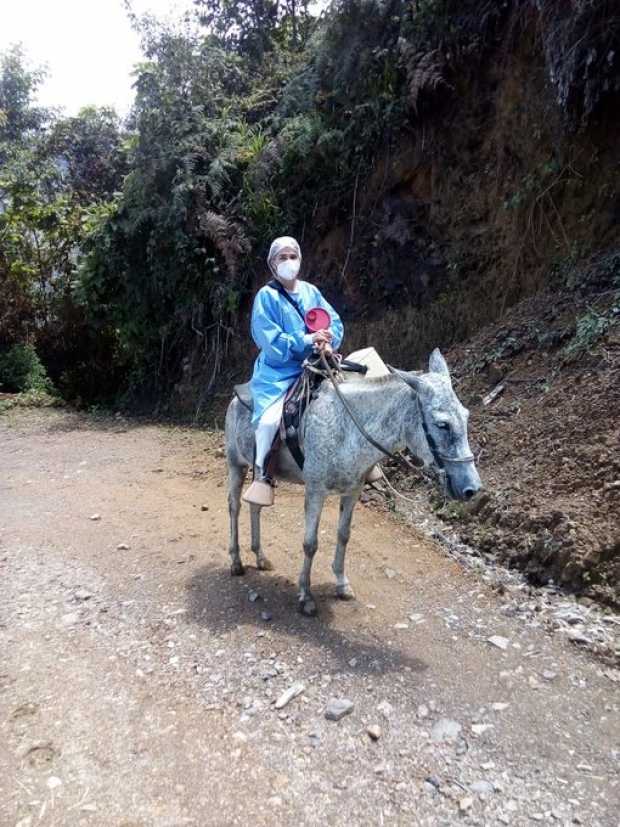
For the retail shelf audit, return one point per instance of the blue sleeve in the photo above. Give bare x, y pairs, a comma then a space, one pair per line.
336, 326
279, 347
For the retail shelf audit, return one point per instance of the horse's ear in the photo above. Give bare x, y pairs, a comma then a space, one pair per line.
437, 364
412, 379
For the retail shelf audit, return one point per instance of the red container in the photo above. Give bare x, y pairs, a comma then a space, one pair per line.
317, 319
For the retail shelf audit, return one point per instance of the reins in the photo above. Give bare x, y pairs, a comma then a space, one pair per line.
399, 457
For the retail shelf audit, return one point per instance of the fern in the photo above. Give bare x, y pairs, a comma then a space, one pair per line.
227, 237
424, 71
218, 177
265, 165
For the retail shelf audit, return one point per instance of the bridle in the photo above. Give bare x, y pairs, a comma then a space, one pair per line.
439, 458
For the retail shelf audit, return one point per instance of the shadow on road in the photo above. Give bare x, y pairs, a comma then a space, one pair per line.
82, 421
221, 604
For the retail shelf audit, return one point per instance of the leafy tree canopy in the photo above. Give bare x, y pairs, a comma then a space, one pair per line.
19, 117
255, 27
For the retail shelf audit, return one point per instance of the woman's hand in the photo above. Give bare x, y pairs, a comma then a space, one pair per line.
322, 340
322, 337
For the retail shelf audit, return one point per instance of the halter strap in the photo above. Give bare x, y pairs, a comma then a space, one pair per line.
440, 459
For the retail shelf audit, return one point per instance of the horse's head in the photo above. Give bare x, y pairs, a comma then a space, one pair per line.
437, 435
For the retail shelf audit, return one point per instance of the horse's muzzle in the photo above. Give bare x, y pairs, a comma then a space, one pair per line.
463, 482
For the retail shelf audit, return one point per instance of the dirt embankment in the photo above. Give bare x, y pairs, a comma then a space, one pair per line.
549, 443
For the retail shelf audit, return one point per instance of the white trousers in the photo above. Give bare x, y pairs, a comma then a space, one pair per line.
266, 430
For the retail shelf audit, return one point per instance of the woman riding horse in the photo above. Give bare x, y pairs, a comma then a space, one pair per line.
279, 332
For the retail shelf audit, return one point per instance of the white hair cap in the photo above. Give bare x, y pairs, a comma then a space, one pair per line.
282, 243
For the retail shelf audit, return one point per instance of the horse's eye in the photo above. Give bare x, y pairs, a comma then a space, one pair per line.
443, 426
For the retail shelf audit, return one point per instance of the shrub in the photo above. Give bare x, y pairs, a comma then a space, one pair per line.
21, 370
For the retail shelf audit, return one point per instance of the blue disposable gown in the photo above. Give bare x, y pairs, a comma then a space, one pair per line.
281, 335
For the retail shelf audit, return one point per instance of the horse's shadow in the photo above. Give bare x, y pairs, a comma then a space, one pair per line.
221, 603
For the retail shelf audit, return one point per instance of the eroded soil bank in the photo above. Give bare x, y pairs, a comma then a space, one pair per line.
548, 445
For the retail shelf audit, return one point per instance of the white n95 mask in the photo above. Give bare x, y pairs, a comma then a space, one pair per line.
288, 270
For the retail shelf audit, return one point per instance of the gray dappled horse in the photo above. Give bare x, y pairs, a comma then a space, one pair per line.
419, 411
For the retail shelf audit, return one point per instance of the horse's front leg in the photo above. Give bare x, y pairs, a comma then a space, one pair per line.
313, 508
262, 562
343, 588
236, 476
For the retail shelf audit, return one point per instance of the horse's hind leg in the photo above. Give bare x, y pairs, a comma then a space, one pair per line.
262, 562
343, 587
236, 476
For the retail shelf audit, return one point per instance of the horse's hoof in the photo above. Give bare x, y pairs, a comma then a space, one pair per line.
264, 564
307, 607
345, 592
237, 569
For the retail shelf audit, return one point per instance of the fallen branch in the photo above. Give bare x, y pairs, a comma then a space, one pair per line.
492, 395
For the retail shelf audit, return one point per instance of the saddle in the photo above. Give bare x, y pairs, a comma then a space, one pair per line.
296, 401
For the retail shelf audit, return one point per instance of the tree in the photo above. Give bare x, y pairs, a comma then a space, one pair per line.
91, 153
161, 263
51, 170
19, 117
255, 27
20, 123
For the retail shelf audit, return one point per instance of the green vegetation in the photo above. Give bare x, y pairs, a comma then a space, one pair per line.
53, 173
22, 370
129, 251
23, 376
590, 329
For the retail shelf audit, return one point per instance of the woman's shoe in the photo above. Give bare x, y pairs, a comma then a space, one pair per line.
260, 492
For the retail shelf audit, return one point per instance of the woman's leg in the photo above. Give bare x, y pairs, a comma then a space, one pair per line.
266, 431
260, 493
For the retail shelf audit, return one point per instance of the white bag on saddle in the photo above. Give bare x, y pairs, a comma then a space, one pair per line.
367, 356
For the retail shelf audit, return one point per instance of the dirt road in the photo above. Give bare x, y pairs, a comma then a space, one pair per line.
138, 679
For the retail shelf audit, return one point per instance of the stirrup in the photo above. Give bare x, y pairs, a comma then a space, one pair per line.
260, 492
374, 474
